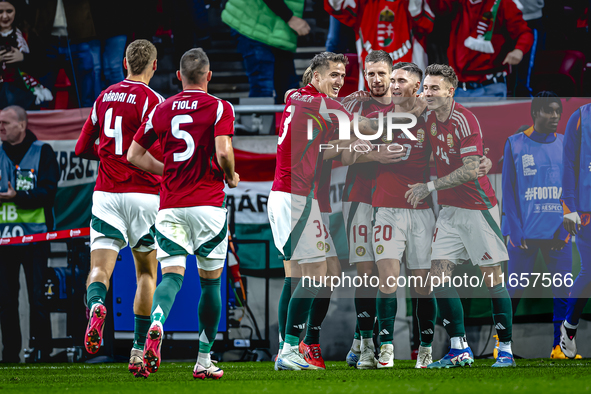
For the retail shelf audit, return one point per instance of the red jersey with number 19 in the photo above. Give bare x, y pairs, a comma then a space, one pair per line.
116, 115
457, 137
298, 159
186, 126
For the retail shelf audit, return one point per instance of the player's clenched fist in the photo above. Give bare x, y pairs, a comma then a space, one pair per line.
232, 183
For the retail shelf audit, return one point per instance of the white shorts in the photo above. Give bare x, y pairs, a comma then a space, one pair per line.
358, 221
329, 248
119, 219
462, 234
397, 230
297, 227
202, 231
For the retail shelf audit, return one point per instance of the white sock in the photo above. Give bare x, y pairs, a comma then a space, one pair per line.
356, 346
286, 348
570, 326
505, 347
367, 343
204, 359
459, 343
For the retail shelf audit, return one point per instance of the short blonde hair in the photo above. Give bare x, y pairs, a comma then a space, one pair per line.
140, 54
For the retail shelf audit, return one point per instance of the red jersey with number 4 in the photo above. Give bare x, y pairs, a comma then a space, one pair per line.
116, 115
299, 158
361, 176
392, 180
458, 137
186, 126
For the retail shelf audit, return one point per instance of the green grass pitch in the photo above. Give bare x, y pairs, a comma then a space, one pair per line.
531, 376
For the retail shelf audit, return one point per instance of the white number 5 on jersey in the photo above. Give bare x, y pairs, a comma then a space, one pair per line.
182, 135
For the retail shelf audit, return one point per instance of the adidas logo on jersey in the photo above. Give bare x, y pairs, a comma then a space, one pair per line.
499, 326
427, 332
363, 314
486, 257
445, 322
384, 332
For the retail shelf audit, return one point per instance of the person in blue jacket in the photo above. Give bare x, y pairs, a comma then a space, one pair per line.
532, 212
576, 200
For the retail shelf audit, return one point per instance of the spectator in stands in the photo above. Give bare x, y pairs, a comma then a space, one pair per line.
340, 37
190, 27
60, 34
267, 33
532, 14
18, 88
28, 183
487, 37
399, 28
109, 47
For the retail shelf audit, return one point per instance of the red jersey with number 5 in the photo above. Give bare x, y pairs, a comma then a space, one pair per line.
457, 137
116, 115
186, 126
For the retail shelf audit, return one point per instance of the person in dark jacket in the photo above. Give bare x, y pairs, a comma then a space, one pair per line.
28, 183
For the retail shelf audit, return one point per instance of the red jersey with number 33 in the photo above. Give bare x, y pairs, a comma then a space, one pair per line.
458, 137
116, 115
186, 126
298, 158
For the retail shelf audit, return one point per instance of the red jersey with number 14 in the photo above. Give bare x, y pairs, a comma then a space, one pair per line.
457, 137
186, 126
116, 115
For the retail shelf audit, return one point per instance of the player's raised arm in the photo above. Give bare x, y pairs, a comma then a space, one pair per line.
225, 155
138, 154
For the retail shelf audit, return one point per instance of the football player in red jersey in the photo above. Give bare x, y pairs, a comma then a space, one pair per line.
125, 198
468, 224
195, 131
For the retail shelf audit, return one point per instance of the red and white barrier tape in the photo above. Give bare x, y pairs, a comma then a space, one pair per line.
51, 236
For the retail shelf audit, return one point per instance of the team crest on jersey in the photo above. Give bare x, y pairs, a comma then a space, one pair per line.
386, 27
450, 140
326, 247
360, 251
380, 249
320, 245
421, 135
433, 129
385, 140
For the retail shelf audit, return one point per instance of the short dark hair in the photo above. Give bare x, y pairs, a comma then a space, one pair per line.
307, 77
410, 67
543, 100
322, 61
20, 112
445, 71
139, 54
194, 65
379, 56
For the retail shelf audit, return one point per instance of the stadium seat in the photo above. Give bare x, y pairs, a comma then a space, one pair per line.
560, 72
62, 95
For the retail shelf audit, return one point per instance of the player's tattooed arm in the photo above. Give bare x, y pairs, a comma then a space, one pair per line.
141, 158
466, 173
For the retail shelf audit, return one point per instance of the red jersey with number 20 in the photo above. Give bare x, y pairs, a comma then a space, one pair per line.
298, 159
186, 126
116, 115
459, 136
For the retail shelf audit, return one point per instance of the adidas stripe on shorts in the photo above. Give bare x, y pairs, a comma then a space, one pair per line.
462, 234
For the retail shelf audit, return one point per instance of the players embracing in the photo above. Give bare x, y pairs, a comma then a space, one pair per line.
468, 224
